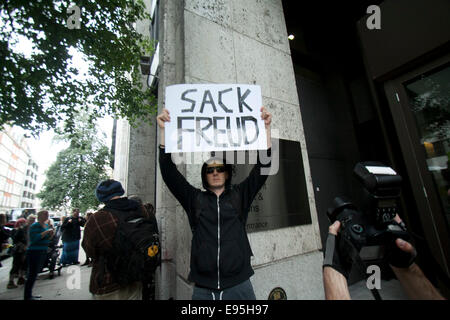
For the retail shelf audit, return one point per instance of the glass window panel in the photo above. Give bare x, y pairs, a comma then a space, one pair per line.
429, 97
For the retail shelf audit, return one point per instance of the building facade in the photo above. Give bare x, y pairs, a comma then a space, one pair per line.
18, 171
354, 82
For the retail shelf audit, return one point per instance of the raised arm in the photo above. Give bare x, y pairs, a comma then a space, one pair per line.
250, 187
175, 181
267, 117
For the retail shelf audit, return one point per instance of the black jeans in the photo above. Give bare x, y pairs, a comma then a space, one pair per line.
242, 291
35, 261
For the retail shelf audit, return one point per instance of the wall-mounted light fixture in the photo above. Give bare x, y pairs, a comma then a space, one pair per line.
145, 65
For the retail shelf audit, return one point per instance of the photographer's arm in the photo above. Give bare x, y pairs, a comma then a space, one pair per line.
335, 285
334, 281
413, 281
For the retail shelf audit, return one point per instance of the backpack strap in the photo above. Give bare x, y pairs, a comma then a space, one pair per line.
124, 216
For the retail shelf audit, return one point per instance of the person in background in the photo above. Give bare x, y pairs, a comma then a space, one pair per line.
148, 288
20, 240
30, 220
98, 242
52, 251
4, 234
88, 261
71, 235
62, 220
39, 239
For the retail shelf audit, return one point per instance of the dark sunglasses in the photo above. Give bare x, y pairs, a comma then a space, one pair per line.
219, 169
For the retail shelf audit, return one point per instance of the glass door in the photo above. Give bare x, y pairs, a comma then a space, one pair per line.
429, 101
420, 107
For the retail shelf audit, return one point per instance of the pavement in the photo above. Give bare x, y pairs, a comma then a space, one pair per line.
389, 290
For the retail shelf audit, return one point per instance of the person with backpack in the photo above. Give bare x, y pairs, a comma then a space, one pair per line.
148, 287
123, 244
220, 252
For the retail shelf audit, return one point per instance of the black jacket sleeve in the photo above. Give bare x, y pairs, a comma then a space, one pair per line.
82, 221
176, 182
64, 224
250, 187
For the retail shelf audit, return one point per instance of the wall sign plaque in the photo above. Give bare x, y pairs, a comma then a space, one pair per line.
277, 294
283, 200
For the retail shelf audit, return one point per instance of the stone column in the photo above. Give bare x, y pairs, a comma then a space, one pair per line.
235, 41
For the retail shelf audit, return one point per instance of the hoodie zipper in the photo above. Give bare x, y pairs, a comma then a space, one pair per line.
218, 244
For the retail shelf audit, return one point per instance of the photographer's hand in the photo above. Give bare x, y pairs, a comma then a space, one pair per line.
413, 281
334, 281
401, 254
332, 257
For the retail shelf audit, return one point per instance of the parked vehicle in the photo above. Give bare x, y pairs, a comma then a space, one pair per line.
21, 213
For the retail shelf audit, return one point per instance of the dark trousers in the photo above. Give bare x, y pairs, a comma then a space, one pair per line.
148, 288
19, 264
242, 291
35, 261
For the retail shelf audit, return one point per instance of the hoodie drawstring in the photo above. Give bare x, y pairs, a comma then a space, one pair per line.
220, 295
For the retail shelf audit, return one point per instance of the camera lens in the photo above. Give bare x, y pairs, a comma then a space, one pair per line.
357, 228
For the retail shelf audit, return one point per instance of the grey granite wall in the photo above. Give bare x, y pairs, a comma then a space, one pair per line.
235, 41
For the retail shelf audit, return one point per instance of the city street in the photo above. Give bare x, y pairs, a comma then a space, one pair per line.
73, 284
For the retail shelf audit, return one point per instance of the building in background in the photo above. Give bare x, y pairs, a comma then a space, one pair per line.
29, 186
340, 90
18, 171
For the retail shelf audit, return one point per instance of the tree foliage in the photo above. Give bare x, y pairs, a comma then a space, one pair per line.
72, 178
40, 89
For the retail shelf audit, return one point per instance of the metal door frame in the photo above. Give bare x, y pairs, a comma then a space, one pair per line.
422, 184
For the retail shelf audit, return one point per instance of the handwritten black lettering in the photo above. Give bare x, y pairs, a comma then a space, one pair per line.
200, 129
210, 101
218, 131
180, 130
241, 99
230, 136
245, 119
224, 107
183, 97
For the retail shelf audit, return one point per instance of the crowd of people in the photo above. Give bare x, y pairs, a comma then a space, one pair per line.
37, 240
121, 239
35, 247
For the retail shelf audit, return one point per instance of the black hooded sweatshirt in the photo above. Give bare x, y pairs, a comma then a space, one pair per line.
220, 252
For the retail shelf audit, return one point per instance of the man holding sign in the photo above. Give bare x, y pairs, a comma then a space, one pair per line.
220, 252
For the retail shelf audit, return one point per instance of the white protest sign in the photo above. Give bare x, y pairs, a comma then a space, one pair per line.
214, 117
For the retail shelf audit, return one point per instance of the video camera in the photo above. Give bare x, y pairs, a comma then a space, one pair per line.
370, 233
